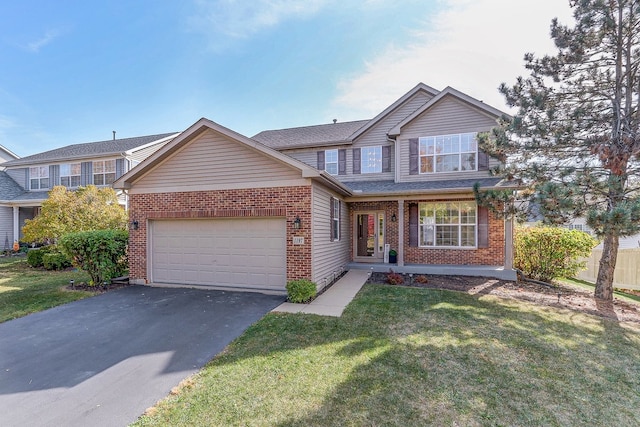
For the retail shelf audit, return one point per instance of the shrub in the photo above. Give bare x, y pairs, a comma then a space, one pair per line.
301, 291
422, 279
545, 253
35, 256
394, 278
55, 260
101, 253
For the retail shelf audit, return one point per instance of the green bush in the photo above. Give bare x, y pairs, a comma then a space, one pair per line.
35, 256
101, 253
301, 290
545, 253
55, 260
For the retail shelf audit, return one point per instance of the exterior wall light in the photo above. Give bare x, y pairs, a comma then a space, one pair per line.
296, 223
135, 225
394, 218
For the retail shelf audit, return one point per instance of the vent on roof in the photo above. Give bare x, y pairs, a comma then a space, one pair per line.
335, 121
114, 134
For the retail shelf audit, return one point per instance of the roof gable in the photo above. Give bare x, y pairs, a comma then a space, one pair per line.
448, 91
420, 87
230, 137
92, 149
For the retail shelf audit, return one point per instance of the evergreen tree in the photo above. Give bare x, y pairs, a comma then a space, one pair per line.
574, 142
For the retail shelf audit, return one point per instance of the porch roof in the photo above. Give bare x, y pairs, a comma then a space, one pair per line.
384, 188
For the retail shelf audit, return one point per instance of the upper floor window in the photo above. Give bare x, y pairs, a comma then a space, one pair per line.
39, 177
448, 153
447, 224
104, 172
331, 161
371, 159
70, 174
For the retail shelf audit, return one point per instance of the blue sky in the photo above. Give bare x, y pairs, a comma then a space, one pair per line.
74, 71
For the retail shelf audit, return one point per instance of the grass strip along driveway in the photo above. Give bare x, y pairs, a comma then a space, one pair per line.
407, 356
25, 290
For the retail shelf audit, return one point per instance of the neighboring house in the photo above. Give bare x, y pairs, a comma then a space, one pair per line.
6, 155
216, 208
25, 182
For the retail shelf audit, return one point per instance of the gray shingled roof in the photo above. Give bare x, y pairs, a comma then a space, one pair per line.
390, 187
89, 149
309, 136
9, 189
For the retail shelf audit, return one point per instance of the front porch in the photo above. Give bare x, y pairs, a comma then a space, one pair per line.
498, 272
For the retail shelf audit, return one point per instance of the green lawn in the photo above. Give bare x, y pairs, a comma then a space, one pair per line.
404, 357
25, 290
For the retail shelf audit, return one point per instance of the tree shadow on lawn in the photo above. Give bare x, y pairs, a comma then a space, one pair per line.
442, 358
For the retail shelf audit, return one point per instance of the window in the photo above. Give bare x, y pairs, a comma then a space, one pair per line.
448, 153
371, 159
331, 161
39, 177
447, 224
335, 219
70, 175
104, 172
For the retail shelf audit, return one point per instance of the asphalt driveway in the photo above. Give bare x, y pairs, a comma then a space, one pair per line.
102, 361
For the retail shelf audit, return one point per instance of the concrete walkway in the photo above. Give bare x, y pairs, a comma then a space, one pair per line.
334, 300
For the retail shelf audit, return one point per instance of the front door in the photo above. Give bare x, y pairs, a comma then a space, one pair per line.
369, 236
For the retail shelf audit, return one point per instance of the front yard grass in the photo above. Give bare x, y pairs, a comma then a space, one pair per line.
406, 356
25, 290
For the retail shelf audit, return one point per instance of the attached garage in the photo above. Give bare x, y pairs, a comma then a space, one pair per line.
246, 253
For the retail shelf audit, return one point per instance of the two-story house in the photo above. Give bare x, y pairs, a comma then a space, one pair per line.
216, 208
25, 182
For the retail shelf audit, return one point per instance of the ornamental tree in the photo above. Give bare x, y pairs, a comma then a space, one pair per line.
573, 143
66, 211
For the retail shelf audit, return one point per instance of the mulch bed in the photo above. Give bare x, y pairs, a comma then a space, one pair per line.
560, 295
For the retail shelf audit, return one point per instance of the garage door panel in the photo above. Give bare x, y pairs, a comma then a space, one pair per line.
245, 253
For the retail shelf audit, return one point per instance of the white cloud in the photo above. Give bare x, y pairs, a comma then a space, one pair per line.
241, 19
472, 46
47, 38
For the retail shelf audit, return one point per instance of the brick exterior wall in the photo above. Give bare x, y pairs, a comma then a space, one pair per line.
285, 202
493, 255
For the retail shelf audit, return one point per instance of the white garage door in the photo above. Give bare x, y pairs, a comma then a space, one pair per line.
237, 253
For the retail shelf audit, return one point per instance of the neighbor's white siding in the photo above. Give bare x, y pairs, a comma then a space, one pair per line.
213, 162
327, 256
140, 155
6, 224
19, 176
449, 116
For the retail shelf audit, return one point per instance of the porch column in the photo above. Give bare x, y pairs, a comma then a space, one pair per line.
16, 224
508, 244
400, 233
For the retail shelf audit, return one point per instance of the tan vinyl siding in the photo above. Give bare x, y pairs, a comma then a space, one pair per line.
140, 155
213, 162
449, 116
327, 256
307, 155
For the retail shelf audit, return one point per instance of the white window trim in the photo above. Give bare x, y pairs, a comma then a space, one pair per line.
39, 178
459, 154
71, 175
327, 162
364, 160
336, 220
459, 225
93, 171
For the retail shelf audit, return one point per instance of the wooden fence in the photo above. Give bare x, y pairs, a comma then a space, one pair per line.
627, 274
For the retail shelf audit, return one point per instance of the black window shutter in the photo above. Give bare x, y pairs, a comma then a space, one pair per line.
331, 217
386, 158
321, 160
413, 156
483, 161
483, 227
413, 225
342, 162
356, 160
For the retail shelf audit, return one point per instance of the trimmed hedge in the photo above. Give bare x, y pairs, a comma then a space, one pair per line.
101, 253
301, 291
49, 257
